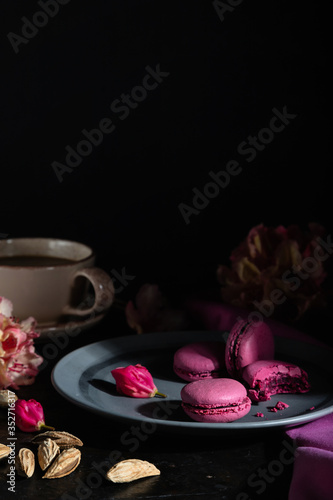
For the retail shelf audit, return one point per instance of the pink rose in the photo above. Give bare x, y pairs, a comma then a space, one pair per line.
135, 381
29, 416
18, 359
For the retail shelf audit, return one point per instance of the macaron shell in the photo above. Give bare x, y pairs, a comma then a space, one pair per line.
257, 344
200, 360
221, 416
215, 400
248, 342
231, 346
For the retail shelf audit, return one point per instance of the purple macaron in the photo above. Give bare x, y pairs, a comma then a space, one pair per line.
200, 360
218, 400
247, 342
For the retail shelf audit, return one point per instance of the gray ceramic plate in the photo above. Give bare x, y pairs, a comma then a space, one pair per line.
83, 377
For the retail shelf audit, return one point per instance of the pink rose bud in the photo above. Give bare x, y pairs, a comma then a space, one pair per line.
135, 381
29, 416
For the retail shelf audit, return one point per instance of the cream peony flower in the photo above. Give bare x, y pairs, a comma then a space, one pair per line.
18, 359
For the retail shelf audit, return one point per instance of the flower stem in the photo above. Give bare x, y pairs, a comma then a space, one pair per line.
46, 427
160, 394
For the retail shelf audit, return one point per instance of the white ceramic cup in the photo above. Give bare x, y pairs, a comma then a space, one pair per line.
39, 285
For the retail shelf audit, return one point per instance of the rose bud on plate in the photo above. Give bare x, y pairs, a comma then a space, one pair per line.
29, 416
135, 381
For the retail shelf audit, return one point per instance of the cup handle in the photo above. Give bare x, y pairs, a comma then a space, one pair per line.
103, 288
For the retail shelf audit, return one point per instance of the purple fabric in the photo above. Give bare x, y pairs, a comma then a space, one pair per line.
316, 434
217, 316
312, 477
313, 467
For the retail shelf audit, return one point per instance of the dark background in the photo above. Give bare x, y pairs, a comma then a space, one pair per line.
225, 77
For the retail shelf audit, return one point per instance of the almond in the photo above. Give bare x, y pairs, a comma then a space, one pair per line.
4, 450
64, 464
130, 470
62, 438
7, 396
25, 462
47, 451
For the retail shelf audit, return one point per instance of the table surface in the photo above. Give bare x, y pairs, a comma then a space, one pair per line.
242, 467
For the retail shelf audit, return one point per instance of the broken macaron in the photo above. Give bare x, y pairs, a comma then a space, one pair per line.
266, 378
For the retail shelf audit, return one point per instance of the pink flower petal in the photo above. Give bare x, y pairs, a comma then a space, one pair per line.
18, 359
6, 307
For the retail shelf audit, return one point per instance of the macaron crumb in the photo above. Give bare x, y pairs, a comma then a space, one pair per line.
280, 405
259, 414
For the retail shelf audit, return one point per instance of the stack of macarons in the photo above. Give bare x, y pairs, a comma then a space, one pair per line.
250, 357
224, 378
210, 395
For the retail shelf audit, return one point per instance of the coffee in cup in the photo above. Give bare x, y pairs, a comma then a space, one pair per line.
50, 279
